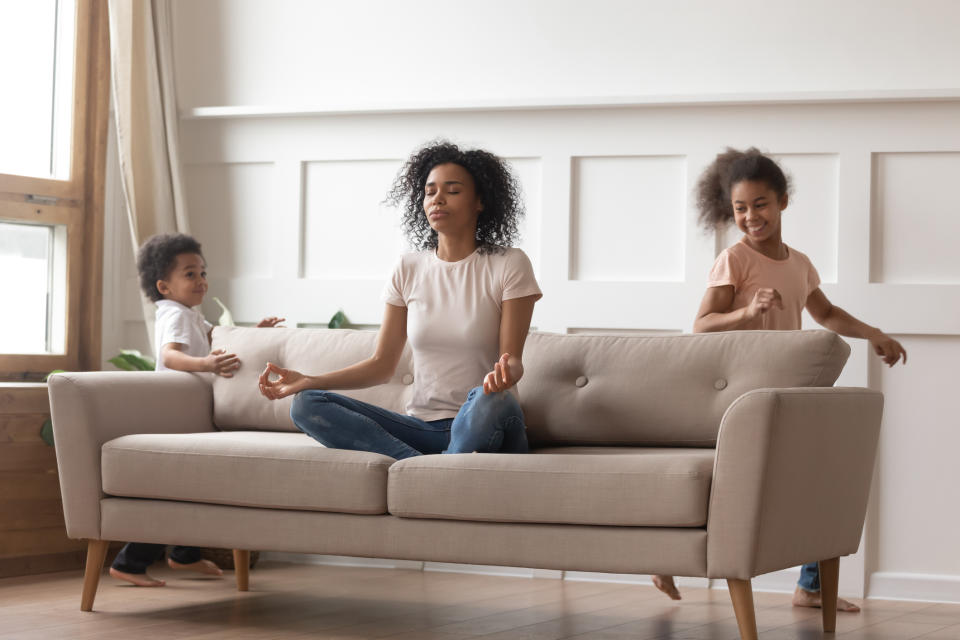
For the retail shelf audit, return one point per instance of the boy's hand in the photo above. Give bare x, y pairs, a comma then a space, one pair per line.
287, 383
507, 371
763, 301
222, 363
887, 348
272, 321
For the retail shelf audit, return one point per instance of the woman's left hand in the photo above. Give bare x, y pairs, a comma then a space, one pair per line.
507, 371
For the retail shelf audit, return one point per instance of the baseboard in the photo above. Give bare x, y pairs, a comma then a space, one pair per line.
888, 585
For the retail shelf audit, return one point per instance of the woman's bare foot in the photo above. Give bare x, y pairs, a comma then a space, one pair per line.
665, 584
803, 598
205, 567
138, 579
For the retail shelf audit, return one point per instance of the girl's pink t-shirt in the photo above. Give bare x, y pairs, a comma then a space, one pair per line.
749, 270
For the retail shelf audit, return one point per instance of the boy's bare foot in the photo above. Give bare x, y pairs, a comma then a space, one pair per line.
665, 584
205, 567
803, 598
138, 579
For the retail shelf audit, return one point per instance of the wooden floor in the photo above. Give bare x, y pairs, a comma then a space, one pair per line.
303, 601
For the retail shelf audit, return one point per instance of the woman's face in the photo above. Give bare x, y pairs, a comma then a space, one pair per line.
450, 200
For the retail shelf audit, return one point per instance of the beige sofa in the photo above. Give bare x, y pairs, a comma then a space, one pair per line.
678, 454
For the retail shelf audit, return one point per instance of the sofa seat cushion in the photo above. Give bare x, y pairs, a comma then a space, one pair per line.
625, 486
246, 468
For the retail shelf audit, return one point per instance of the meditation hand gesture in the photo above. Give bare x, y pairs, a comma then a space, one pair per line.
507, 371
288, 382
222, 363
272, 321
887, 348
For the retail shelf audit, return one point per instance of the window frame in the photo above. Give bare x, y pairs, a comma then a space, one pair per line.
77, 203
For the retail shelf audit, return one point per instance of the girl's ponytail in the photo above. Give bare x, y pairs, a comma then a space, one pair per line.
729, 168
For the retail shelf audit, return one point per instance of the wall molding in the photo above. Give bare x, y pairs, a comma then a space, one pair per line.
569, 102
889, 585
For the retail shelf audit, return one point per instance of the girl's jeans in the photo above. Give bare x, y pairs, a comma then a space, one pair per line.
810, 577
486, 423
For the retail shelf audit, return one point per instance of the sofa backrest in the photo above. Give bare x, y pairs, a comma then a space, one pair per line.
577, 389
237, 403
661, 390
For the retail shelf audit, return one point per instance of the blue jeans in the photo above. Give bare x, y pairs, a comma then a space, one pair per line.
486, 423
135, 557
810, 577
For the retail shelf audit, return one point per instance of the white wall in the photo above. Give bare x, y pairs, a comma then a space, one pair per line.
278, 200
358, 52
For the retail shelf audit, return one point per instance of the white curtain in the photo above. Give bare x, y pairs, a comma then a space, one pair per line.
145, 106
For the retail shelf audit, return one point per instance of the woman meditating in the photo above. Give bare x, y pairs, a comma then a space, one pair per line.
464, 299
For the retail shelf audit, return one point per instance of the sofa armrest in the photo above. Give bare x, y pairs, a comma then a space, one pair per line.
791, 478
89, 409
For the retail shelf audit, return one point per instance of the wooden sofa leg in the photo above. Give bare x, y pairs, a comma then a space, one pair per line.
96, 553
741, 592
829, 583
241, 564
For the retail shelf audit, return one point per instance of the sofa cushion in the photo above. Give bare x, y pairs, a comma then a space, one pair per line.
661, 390
573, 485
252, 469
238, 405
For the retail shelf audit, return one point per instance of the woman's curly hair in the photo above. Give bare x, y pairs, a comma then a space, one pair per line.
157, 257
496, 186
729, 168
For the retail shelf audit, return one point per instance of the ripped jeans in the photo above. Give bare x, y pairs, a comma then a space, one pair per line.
486, 423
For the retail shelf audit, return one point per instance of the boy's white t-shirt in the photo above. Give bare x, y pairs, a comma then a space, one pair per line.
179, 323
453, 321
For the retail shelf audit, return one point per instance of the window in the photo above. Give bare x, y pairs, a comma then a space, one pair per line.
37, 52
53, 133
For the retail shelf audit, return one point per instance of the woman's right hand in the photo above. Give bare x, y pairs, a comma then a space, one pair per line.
763, 301
288, 382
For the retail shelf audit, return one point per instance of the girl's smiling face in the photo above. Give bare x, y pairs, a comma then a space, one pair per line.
756, 210
187, 281
450, 200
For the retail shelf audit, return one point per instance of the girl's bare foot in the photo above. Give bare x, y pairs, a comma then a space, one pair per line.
205, 567
138, 579
803, 598
665, 584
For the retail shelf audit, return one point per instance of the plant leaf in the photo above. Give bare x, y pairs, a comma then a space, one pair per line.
46, 431
47, 377
338, 321
132, 360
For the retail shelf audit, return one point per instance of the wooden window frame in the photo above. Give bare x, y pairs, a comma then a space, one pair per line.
77, 202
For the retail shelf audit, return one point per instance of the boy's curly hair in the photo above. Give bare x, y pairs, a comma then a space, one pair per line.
729, 168
496, 186
157, 256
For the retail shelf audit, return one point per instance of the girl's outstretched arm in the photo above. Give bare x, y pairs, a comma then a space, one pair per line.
715, 313
377, 369
836, 319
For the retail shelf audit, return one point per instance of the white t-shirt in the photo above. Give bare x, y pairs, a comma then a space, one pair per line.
453, 321
178, 323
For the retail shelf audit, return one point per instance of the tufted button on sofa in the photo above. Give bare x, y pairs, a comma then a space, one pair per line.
668, 454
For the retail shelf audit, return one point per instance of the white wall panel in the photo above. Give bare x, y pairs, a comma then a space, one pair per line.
231, 207
347, 230
919, 480
528, 171
629, 219
916, 218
